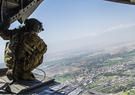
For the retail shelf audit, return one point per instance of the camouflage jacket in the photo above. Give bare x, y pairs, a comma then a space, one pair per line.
25, 48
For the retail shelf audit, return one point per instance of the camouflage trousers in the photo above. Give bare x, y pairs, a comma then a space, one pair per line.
22, 64
22, 70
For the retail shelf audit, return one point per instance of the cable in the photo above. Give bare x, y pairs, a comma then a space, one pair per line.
1, 9
21, 4
43, 73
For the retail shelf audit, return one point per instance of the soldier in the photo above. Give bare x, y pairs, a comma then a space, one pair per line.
25, 49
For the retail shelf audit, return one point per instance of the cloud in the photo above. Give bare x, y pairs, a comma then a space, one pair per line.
121, 26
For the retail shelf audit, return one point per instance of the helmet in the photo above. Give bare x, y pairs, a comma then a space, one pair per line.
33, 24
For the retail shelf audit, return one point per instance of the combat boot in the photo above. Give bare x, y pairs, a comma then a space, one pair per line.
28, 76
9, 74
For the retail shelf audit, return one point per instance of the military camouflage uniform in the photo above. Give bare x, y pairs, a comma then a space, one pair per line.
25, 49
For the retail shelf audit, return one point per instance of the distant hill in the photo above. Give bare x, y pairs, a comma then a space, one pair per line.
91, 43
108, 38
105, 39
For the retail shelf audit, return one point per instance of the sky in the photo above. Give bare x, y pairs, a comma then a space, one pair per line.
66, 21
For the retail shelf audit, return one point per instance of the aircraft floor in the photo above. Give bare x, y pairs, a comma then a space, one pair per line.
25, 86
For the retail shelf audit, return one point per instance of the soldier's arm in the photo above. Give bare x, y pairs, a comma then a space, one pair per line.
36, 48
7, 34
39, 44
42, 47
37, 56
